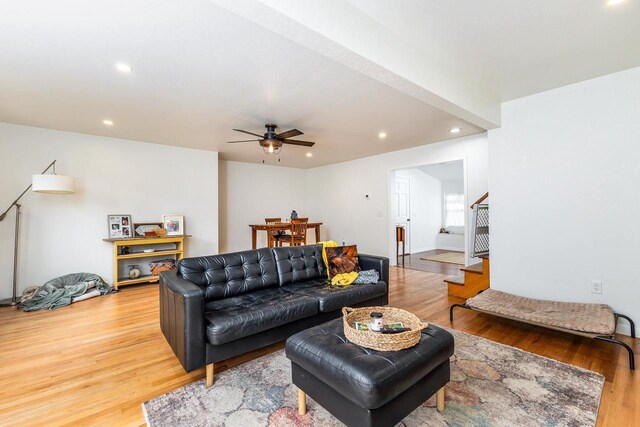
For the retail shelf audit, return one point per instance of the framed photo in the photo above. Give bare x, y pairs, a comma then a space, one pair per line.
174, 224
120, 226
144, 227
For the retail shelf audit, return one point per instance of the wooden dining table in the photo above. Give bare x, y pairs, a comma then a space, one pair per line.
272, 228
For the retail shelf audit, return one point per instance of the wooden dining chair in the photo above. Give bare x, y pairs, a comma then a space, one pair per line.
298, 235
274, 236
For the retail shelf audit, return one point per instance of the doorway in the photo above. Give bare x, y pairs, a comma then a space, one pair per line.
429, 201
402, 209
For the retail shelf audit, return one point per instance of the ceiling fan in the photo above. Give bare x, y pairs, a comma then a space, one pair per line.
271, 142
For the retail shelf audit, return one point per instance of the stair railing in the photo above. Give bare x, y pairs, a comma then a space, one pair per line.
480, 200
480, 228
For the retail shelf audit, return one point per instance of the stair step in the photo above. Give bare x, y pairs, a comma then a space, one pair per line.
475, 268
455, 280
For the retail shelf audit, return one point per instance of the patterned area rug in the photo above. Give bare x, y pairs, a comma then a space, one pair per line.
491, 385
448, 257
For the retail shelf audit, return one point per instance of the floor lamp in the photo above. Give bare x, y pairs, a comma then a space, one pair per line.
43, 183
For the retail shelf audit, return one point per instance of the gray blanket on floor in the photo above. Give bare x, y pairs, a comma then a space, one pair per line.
64, 290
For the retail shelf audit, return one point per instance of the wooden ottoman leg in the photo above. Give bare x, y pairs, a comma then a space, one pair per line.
209, 370
440, 399
302, 402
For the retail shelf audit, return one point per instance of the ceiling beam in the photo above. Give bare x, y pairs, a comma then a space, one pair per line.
340, 31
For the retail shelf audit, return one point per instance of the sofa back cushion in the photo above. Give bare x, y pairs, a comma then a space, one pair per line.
299, 263
229, 275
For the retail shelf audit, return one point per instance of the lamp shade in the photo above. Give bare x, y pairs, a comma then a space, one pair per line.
54, 184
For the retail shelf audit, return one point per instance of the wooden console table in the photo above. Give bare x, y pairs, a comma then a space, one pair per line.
133, 242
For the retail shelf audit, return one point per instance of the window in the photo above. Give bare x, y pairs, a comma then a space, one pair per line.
454, 210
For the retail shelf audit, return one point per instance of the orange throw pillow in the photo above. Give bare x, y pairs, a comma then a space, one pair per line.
342, 259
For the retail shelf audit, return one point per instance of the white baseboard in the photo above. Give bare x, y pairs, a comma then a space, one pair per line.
451, 248
417, 251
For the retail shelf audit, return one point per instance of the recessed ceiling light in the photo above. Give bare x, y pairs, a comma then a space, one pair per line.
123, 68
614, 2
382, 135
454, 130
309, 154
108, 122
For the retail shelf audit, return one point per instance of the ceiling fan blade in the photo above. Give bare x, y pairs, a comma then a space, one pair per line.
302, 143
289, 134
245, 140
250, 133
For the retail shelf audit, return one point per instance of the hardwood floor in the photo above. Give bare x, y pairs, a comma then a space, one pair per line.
414, 262
93, 363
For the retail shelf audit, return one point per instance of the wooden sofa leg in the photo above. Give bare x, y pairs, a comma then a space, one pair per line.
440, 399
302, 402
209, 375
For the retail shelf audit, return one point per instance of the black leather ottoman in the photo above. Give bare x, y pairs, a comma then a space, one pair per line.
363, 387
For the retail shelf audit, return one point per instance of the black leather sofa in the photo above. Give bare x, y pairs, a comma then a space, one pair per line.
216, 307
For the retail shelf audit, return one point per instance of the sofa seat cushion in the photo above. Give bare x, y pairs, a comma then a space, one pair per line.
234, 318
335, 297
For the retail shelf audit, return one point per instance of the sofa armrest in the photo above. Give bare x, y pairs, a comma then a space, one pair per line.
379, 263
182, 319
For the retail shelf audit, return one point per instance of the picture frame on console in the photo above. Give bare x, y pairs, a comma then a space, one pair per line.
174, 224
120, 226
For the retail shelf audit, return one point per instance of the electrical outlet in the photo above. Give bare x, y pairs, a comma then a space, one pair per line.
596, 287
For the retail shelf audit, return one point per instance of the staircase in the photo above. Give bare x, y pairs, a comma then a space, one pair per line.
475, 278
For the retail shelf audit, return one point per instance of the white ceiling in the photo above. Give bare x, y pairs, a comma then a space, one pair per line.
204, 67
445, 171
199, 71
518, 47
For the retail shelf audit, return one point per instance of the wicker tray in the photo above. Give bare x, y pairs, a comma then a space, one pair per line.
377, 341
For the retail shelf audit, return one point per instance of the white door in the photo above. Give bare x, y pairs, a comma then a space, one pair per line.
402, 209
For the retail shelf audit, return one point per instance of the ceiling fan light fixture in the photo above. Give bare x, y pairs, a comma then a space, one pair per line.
271, 146
272, 142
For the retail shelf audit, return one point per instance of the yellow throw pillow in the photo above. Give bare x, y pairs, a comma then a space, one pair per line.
325, 245
344, 279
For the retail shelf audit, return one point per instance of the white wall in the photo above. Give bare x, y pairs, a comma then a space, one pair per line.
565, 203
453, 185
450, 242
63, 234
425, 195
249, 193
337, 192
